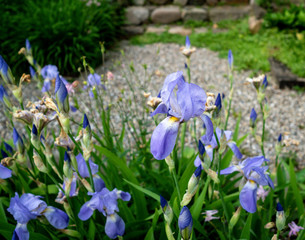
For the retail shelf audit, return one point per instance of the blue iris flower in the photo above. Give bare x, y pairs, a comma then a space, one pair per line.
255, 174
188, 102
48, 72
106, 203
29, 207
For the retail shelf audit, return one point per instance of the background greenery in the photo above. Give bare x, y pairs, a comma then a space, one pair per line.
60, 31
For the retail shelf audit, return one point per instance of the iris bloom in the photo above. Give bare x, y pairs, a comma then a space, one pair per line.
211, 144
255, 175
106, 203
294, 229
188, 102
29, 207
48, 72
93, 81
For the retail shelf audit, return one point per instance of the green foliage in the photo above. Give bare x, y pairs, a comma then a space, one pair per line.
250, 51
60, 31
291, 18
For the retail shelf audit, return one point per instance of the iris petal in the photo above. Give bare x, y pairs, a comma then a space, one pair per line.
169, 84
56, 217
235, 149
247, 197
21, 232
115, 226
164, 137
5, 172
209, 126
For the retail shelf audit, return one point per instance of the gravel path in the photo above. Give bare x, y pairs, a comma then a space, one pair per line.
286, 106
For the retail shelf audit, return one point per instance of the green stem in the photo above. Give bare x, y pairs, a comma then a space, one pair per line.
230, 101
176, 184
183, 131
263, 131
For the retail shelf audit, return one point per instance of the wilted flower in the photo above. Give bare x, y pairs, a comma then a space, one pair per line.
24, 116
187, 50
255, 175
110, 76
185, 223
49, 73
154, 102
64, 140
262, 193
209, 215
106, 203
29, 207
294, 229
187, 103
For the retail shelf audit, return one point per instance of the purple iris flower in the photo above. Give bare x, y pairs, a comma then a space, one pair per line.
180, 106
106, 203
29, 207
98, 182
93, 81
5, 172
255, 175
211, 144
48, 72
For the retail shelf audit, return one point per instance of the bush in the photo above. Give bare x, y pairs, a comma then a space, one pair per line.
291, 18
61, 32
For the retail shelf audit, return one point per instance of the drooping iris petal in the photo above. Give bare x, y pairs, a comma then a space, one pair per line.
82, 166
248, 197
87, 209
21, 232
197, 161
115, 226
161, 109
5, 172
164, 137
208, 125
191, 99
56, 217
228, 170
110, 202
125, 196
235, 149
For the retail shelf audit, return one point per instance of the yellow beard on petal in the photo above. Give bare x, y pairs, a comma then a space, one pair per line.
173, 119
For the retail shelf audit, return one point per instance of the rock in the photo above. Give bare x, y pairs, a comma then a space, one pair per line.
254, 24
283, 75
154, 29
196, 2
180, 30
136, 15
180, 2
166, 14
138, 2
158, 2
212, 2
201, 30
227, 12
133, 30
151, 8
258, 12
196, 14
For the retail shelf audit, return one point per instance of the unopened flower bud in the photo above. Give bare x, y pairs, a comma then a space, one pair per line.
234, 219
67, 169
170, 163
269, 225
185, 223
167, 210
191, 187
35, 139
280, 217
61, 94
39, 163
213, 175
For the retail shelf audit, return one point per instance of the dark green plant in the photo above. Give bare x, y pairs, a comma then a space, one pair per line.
61, 32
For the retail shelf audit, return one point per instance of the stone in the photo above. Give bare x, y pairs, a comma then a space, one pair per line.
154, 29
158, 2
180, 30
133, 30
196, 14
254, 24
166, 15
151, 8
258, 12
283, 75
138, 2
217, 14
136, 15
196, 2
201, 30
180, 2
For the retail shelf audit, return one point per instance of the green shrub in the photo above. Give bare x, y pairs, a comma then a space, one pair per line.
60, 31
291, 18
